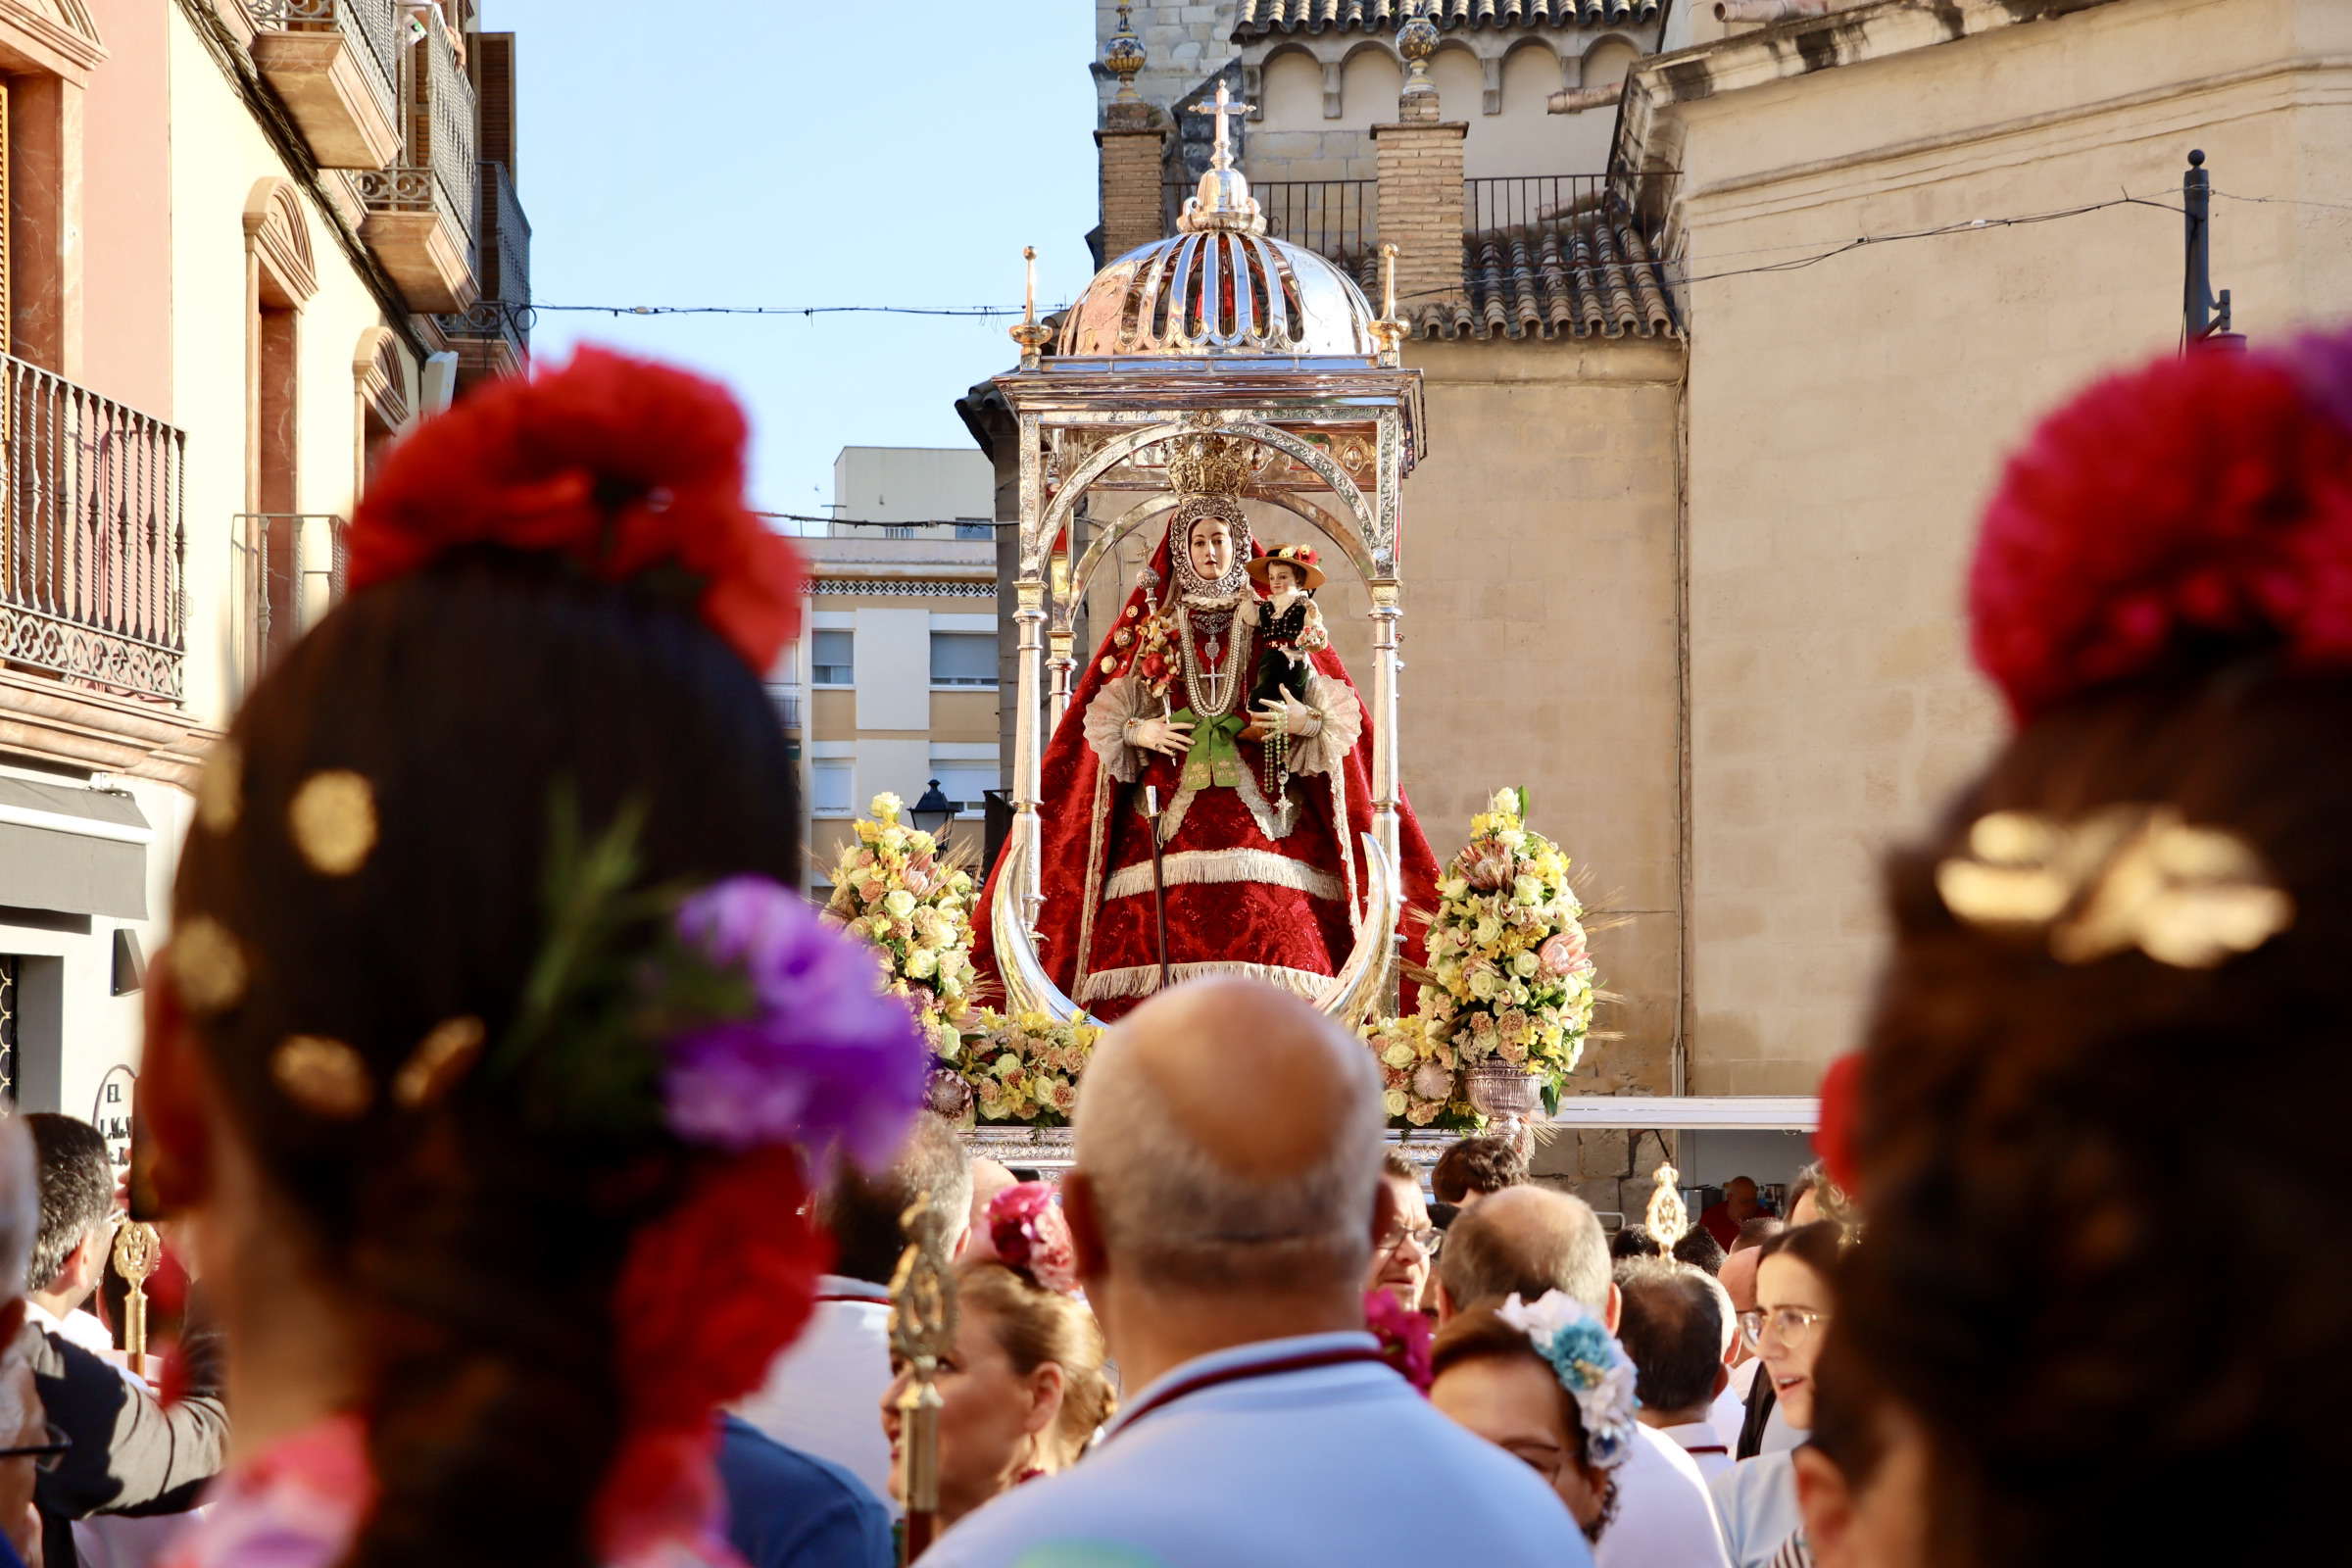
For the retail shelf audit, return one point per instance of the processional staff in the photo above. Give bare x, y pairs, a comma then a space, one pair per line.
922, 1329
137, 1251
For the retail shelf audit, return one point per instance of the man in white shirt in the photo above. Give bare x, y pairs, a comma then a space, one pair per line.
1225, 1194
1530, 1239
1673, 1327
823, 1393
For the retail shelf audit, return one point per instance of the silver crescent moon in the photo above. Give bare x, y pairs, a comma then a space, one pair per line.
1345, 1000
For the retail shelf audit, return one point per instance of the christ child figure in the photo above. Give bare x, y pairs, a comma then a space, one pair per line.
1289, 625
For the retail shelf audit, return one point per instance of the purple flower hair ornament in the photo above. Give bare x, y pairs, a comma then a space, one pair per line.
823, 1059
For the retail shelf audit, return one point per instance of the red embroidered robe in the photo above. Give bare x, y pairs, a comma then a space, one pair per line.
1246, 894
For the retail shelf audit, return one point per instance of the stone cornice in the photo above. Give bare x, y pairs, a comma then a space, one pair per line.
1799, 47
64, 44
48, 719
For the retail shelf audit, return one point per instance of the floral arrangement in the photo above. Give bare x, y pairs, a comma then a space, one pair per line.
1509, 978
1143, 647
1025, 1226
1024, 1069
1420, 1084
1590, 1365
894, 888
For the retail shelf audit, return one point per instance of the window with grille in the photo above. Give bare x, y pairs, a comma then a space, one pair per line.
963, 659
834, 660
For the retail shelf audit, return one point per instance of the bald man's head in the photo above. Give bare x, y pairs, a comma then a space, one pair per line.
1526, 1239
1230, 1135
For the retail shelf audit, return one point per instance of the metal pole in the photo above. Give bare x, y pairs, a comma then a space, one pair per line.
1159, 895
1027, 765
2196, 207
2204, 315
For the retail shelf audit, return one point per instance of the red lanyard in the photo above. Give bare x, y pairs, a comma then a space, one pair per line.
1305, 1361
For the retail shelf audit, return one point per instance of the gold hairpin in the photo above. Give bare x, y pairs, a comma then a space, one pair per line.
439, 1060
2118, 878
221, 787
332, 817
324, 1077
208, 967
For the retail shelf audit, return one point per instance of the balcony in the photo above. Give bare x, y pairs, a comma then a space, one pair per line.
336, 65
92, 539
421, 218
495, 335
287, 571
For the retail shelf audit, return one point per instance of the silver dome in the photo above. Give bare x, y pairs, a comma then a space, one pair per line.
1220, 286
1220, 291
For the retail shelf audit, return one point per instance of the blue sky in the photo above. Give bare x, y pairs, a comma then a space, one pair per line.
792, 153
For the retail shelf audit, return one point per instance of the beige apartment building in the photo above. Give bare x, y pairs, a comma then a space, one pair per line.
898, 645
246, 242
1685, 555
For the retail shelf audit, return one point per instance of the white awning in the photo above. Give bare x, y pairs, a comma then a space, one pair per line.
1691, 1112
73, 851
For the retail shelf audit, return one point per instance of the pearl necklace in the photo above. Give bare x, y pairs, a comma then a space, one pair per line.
1223, 686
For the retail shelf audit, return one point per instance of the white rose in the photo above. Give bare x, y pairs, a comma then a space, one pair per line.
899, 902
921, 964
1454, 887
1398, 1054
1393, 1102
894, 839
1525, 964
1507, 802
1489, 931
884, 806
1510, 838
1527, 890
1482, 985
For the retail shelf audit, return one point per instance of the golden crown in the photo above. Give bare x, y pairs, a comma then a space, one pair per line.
1211, 466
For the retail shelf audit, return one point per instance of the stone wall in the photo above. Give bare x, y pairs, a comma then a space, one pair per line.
1538, 640
1614, 1169
1848, 420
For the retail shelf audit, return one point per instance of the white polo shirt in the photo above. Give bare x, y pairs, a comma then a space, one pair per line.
1664, 1516
1328, 1464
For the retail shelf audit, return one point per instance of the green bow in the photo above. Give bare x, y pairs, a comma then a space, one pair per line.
1212, 759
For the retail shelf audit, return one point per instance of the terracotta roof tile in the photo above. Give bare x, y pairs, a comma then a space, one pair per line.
1590, 276
1260, 16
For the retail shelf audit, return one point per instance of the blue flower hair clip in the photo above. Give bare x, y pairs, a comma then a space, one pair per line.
1590, 1365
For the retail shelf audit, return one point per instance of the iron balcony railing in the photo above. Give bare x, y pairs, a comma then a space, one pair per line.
445, 121
1514, 201
93, 540
1340, 219
1326, 216
438, 173
372, 24
502, 265
286, 570
420, 191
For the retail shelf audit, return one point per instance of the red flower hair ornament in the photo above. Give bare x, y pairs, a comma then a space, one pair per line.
2170, 519
624, 466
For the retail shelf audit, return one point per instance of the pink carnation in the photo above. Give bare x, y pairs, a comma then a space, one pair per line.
1027, 1229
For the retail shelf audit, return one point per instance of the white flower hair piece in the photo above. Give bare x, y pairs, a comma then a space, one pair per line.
1590, 1365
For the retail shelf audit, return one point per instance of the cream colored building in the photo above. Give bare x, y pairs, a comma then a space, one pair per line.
1684, 556
898, 643
247, 241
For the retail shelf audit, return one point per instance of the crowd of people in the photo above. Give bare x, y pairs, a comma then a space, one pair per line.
538, 1164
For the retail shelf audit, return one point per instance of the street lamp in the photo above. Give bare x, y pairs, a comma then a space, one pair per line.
933, 811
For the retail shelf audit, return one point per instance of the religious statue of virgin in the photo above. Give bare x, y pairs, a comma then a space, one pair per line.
1261, 809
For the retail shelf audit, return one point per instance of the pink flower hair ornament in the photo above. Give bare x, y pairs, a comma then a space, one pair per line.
1026, 1227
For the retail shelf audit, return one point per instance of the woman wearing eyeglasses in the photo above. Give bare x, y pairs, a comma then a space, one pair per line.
1756, 1499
